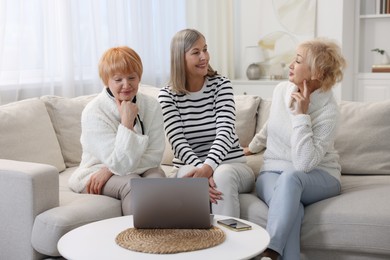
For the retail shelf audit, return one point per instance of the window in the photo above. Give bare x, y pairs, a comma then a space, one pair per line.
53, 47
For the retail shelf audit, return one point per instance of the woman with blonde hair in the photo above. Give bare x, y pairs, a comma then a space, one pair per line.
301, 165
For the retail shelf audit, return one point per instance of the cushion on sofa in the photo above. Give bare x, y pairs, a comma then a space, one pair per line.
262, 114
255, 161
357, 220
168, 153
75, 210
149, 90
253, 209
52, 224
65, 114
27, 134
363, 139
246, 114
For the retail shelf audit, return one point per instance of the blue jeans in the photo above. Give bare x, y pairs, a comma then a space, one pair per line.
287, 193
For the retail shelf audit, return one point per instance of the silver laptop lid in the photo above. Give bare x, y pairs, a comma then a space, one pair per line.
170, 202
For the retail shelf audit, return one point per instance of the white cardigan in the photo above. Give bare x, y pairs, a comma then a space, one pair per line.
106, 142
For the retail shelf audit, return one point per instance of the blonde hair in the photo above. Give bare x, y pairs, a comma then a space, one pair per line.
120, 59
325, 61
182, 42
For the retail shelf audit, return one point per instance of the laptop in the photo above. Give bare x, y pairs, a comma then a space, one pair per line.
171, 203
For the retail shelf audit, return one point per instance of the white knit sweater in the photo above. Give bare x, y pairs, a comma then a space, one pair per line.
303, 142
106, 142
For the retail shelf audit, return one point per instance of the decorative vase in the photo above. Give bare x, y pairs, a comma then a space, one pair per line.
385, 59
253, 72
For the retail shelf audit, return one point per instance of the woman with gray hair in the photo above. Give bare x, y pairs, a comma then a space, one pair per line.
199, 119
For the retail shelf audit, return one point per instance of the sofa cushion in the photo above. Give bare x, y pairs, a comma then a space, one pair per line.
65, 114
253, 209
168, 153
75, 210
363, 139
246, 114
27, 134
149, 90
357, 221
255, 161
262, 114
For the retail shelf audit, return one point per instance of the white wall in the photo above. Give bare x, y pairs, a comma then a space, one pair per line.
335, 20
254, 20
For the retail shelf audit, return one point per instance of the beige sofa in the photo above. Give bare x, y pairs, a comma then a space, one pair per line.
39, 150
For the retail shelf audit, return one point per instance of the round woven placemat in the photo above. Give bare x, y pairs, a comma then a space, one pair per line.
169, 241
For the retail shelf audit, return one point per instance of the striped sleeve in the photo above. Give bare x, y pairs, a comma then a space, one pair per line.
225, 122
174, 129
201, 125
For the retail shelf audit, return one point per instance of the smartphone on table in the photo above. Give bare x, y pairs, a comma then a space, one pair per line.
234, 224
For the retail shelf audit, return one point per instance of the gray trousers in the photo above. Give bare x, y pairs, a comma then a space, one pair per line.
118, 187
230, 179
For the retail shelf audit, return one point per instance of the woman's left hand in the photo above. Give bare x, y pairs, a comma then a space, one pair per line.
206, 172
213, 192
247, 152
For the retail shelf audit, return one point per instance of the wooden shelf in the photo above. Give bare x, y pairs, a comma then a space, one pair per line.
374, 16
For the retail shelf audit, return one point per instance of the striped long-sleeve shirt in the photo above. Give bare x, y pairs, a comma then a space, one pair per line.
201, 125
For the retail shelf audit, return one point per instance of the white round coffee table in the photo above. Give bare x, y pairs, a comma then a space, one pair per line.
97, 241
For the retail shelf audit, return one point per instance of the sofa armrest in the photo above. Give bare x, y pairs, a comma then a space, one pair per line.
26, 190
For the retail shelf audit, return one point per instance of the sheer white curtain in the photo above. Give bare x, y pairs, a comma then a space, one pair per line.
215, 20
53, 46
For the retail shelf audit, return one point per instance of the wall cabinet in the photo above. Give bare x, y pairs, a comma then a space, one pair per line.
373, 86
261, 88
372, 31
